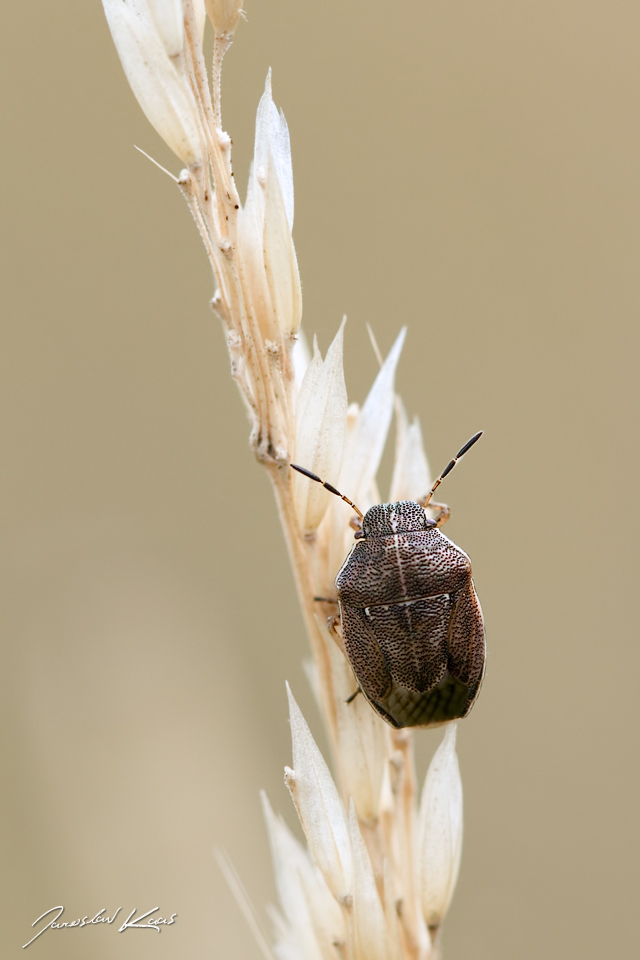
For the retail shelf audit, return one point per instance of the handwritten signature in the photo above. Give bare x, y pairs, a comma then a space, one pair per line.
131, 923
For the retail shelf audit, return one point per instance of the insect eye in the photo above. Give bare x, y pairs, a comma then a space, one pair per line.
358, 534
431, 523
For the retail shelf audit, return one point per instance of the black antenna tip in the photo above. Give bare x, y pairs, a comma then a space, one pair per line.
469, 444
307, 473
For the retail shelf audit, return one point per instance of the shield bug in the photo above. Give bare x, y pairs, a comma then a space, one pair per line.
411, 621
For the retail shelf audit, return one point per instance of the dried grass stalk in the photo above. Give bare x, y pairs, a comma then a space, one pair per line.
377, 877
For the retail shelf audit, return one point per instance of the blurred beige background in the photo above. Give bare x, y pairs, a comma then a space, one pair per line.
470, 169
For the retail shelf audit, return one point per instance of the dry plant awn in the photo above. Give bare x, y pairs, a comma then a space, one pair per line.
378, 874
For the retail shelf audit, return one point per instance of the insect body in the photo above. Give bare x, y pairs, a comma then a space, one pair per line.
411, 621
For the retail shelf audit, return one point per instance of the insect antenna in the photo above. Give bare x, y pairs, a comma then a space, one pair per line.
327, 486
461, 452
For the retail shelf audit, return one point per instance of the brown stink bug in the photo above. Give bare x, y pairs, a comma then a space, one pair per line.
411, 622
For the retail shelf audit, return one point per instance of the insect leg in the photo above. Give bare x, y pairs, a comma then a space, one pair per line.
353, 695
332, 626
443, 514
325, 600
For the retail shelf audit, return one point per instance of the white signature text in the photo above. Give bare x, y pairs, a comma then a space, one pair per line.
131, 923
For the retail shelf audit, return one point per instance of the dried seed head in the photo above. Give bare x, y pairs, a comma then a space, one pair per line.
159, 88
280, 261
314, 921
301, 358
411, 470
321, 411
363, 739
440, 830
370, 921
367, 430
272, 143
168, 17
270, 265
199, 16
391, 914
224, 15
366, 441
335, 907
319, 806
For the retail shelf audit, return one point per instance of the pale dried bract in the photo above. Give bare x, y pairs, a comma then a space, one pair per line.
440, 832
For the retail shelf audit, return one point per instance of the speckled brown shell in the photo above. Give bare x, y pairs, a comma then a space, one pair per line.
411, 621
